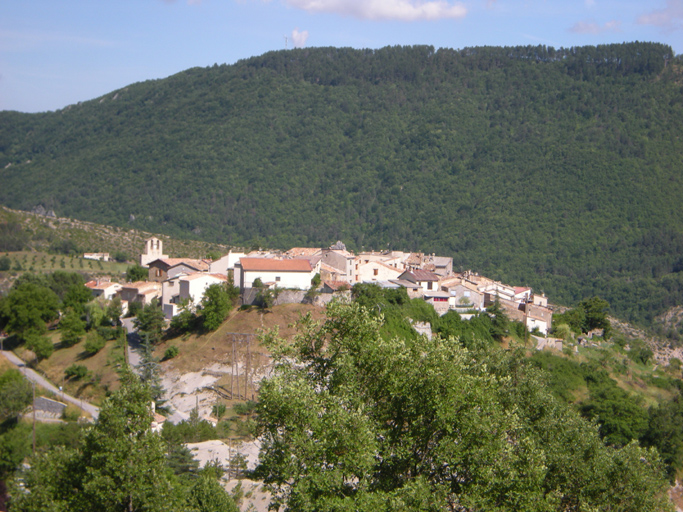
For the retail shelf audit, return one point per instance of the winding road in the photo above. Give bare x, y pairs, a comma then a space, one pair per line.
32, 376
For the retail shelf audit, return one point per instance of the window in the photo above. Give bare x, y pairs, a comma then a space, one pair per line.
375, 271
429, 285
277, 279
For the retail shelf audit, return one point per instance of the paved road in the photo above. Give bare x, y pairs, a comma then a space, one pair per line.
175, 416
42, 381
133, 343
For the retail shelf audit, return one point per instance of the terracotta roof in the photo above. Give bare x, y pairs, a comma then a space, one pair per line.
521, 289
270, 265
330, 268
303, 251
414, 259
141, 285
94, 285
197, 275
335, 285
423, 275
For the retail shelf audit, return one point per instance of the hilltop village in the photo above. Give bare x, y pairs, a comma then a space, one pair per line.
318, 275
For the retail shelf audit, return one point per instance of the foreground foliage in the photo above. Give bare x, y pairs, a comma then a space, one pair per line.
119, 465
352, 420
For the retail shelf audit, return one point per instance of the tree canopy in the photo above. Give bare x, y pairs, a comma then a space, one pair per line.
352, 420
119, 465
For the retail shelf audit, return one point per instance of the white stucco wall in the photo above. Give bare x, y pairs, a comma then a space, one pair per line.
296, 280
366, 272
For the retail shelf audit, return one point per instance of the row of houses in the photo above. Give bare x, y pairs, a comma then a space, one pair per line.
427, 276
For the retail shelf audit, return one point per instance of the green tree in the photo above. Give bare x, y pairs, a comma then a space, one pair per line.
94, 342
115, 311
499, 320
28, 307
72, 328
150, 322
76, 372
595, 315
186, 319
40, 345
620, 417
120, 256
76, 297
5, 262
118, 466
665, 433
149, 370
216, 305
354, 421
15, 393
137, 273
208, 495
265, 298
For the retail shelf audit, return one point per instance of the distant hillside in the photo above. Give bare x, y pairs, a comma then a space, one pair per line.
558, 169
39, 233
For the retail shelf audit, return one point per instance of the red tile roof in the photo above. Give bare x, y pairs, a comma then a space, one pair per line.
423, 275
271, 265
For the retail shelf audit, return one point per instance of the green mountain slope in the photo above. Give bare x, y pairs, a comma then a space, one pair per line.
559, 169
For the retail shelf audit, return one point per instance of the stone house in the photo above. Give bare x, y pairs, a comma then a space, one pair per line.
166, 268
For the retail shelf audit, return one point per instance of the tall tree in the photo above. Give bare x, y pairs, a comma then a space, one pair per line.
120, 465
150, 322
216, 304
28, 307
353, 421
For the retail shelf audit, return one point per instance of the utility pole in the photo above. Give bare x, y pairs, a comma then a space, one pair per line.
232, 373
34, 419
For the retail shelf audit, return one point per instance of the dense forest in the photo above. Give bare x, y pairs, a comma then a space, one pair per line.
553, 168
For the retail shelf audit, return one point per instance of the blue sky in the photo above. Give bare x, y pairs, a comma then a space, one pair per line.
57, 52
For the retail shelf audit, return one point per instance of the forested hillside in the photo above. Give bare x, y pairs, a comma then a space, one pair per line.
558, 169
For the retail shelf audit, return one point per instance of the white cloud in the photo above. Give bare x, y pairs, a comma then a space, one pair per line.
669, 18
591, 27
299, 38
402, 10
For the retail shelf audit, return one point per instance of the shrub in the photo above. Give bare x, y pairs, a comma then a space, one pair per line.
5, 262
94, 343
71, 413
120, 257
218, 410
41, 346
244, 409
76, 372
171, 352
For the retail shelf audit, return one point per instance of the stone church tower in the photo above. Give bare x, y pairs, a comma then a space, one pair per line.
154, 249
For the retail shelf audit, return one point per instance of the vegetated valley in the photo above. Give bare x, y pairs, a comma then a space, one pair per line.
554, 168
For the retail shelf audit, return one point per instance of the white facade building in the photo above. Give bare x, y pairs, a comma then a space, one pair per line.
296, 274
